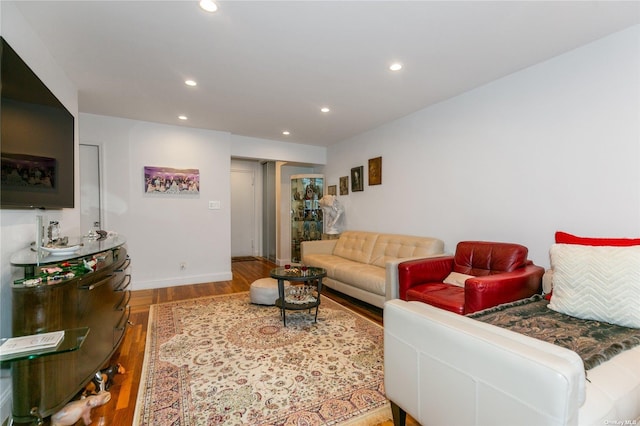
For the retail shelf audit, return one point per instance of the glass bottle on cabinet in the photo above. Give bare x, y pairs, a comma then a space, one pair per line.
306, 213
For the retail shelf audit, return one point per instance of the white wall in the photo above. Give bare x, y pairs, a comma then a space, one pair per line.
164, 231
19, 226
264, 149
552, 147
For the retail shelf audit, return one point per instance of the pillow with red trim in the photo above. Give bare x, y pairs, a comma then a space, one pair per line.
599, 283
565, 238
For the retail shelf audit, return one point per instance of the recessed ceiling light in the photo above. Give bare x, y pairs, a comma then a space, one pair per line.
286, 133
208, 5
325, 109
182, 117
190, 83
396, 67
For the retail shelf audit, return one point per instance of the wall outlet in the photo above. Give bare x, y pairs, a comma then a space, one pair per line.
183, 266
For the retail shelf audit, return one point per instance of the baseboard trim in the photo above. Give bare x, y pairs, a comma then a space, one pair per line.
178, 281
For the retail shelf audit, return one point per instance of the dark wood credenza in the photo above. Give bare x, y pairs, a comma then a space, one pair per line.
98, 300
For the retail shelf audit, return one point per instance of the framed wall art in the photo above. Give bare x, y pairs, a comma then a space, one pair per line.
356, 179
375, 171
344, 185
331, 190
170, 181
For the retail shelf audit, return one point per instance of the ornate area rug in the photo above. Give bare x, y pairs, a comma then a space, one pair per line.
223, 361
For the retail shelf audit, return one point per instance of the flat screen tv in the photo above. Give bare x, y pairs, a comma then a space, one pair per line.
37, 140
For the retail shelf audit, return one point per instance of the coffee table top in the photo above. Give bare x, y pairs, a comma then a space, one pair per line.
295, 273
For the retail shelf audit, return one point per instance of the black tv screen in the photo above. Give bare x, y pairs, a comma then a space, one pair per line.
37, 140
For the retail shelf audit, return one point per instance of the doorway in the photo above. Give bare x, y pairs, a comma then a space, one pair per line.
243, 209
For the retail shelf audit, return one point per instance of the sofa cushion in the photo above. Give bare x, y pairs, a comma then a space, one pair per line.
443, 296
360, 275
480, 258
391, 247
597, 282
327, 261
356, 245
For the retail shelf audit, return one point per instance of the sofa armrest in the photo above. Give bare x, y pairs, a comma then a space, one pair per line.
413, 272
392, 282
317, 247
435, 360
491, 290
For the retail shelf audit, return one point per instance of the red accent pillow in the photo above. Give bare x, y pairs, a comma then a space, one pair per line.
564, 238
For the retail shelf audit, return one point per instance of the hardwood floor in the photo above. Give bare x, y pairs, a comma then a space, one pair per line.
124, 391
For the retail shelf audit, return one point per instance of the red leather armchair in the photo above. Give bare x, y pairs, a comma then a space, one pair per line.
499, 273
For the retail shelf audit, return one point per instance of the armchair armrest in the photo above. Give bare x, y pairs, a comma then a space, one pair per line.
413, 272
491, 290
317, 247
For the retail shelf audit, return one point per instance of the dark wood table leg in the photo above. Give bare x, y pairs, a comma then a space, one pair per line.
399, 415
318, 301
282, 308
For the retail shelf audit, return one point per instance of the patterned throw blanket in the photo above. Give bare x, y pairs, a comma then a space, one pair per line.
594, 341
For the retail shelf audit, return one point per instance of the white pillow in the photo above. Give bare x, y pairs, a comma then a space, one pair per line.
597, 282
456, 278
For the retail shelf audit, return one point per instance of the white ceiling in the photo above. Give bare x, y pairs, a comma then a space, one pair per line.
266, 66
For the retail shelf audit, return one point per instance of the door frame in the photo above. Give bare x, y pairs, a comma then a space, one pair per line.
253, 166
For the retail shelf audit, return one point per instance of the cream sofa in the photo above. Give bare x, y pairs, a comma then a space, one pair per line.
364, 265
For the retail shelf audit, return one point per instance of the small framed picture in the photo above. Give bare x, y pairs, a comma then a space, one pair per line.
356, 179
344, 185
375, 171
331, 190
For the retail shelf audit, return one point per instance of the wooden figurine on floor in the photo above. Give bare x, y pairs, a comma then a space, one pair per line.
79, 409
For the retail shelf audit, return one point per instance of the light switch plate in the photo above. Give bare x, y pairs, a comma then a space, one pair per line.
214, 205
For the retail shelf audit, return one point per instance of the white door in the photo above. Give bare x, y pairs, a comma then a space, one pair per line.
90, 207
242, 213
